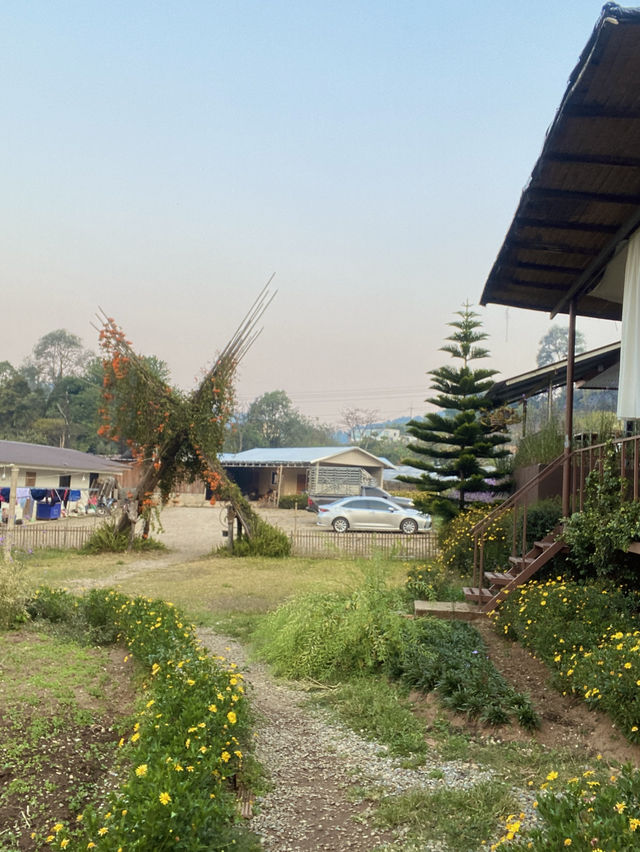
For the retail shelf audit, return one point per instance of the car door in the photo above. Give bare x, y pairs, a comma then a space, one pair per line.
357, 512
380, 515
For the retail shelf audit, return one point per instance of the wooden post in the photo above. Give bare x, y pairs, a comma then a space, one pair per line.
279, 486
11, 520
524, 417
231, 516
568, 414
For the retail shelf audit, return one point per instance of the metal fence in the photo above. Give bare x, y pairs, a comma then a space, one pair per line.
330, 544
57, 536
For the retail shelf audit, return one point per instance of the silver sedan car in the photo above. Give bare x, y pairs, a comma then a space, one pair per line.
371, 513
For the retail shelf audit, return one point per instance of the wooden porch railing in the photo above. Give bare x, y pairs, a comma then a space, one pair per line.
582, 460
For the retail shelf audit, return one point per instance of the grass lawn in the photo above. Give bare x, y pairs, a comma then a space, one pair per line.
209, 590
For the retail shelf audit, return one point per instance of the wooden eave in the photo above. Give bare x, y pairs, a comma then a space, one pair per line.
583, 197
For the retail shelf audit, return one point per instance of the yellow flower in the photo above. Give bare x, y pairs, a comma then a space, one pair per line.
620, 807
231, 716
141, 770
165, 798
567, 841
64, 843
102, 831
552, 776
225, 756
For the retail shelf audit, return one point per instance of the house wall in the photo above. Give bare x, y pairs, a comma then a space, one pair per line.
549, 487
45, 478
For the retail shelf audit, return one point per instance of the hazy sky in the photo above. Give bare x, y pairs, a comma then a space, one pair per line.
162, 159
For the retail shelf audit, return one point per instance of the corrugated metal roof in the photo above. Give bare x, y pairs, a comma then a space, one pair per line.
588, 365
55, 458
583, 197
292, 456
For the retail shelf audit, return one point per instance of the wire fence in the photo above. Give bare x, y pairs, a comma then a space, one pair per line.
350, 544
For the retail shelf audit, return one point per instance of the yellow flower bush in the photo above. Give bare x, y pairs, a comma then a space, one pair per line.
180, 755
588, 635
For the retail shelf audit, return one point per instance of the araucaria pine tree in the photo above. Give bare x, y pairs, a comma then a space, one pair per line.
457, 449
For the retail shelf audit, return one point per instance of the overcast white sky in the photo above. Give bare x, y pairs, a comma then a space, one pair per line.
162, 159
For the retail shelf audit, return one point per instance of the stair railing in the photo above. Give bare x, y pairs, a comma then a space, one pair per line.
516, 504
583, 460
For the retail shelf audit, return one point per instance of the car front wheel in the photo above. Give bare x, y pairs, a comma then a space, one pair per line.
340, 525
409, 526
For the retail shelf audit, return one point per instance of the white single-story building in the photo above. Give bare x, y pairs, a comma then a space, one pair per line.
60, 474
265, 471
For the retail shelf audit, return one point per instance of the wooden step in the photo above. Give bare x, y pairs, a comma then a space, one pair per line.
544, 544
451, 610
477, 595
495, 578
521, 562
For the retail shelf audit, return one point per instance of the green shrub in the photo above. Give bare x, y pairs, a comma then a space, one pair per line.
290, 501
328, 636
542, 517
107, 539
540, 447
457, 543
431, 582
53, 605
12, 593
266, 541
598, 536
334, 636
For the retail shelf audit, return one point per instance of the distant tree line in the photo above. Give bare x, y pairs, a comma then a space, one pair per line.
54, 395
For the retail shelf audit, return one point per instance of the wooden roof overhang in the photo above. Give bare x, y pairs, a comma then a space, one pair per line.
583, 198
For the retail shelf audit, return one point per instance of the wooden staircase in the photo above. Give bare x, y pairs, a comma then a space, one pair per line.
488, 588
499, 584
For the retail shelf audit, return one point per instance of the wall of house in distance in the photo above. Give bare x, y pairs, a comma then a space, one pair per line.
46, 479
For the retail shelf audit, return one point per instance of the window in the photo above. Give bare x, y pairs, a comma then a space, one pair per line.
30, 478
65, 481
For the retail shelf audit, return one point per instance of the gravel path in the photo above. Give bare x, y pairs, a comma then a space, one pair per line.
314, 765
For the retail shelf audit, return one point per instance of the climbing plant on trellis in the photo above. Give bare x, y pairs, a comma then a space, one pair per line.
174, 436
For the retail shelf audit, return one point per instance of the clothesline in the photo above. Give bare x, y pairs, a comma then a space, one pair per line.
50, 495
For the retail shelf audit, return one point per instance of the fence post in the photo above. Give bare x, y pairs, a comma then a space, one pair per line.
11, 520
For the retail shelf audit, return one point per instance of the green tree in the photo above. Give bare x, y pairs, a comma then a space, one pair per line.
58, 354
458, 448
554, 345
272, 421
20, 405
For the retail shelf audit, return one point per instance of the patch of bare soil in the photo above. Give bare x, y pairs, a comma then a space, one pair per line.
50, 765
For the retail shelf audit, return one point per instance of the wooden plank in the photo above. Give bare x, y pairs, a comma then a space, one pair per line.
452, 610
